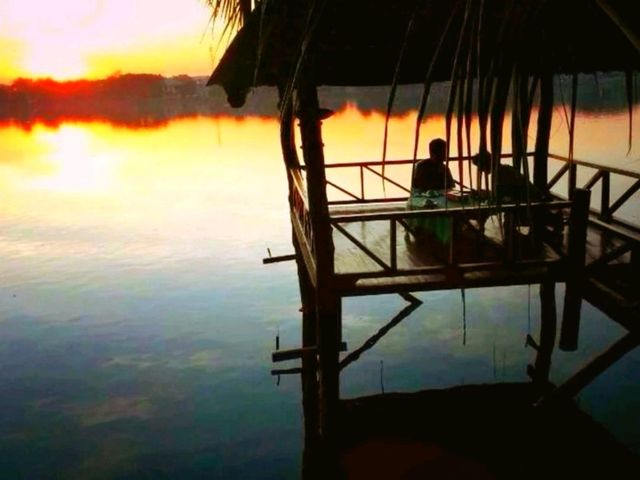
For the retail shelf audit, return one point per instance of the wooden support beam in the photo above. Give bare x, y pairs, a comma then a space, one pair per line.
301, 352
590, 371
280, 258
594, 179
292, 353
573, 177
576, 252
610, 255
345, 191
362, 247
387, 179
624, 197
327, 303
559, 174
605, 195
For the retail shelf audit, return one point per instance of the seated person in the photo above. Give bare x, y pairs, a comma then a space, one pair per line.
432, 173
510, 185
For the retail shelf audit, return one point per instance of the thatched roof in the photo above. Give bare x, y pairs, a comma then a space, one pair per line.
359, 42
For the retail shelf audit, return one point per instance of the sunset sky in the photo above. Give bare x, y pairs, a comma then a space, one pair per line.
66, 39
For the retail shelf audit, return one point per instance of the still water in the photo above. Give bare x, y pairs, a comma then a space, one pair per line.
137, 321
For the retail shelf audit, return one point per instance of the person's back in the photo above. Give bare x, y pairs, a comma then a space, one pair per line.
432, 173
511, 185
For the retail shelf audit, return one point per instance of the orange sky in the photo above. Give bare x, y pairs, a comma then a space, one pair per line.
94, 38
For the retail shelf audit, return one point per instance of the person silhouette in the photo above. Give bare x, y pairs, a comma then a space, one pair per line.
432, 173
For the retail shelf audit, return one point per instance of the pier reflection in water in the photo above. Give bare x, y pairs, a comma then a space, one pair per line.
486, 412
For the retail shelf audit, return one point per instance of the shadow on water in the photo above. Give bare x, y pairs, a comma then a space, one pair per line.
501, 430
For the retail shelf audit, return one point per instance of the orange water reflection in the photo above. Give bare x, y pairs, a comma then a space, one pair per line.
98, 171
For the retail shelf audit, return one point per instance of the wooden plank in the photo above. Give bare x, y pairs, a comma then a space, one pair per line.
440, 212
280, 258
362, 247
415, 283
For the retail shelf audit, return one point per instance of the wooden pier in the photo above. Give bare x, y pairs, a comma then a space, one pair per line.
364, 244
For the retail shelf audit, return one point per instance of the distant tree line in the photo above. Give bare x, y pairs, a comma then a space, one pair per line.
142, 100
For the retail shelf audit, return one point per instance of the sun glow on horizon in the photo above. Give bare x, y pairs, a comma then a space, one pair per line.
70, 39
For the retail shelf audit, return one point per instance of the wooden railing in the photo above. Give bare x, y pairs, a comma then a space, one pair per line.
301, 221
602, 216
603, 175
360, 194
389, 266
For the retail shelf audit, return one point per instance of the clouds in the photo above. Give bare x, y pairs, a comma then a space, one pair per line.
71, 38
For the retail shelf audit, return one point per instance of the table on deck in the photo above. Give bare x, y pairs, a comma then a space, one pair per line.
440, 227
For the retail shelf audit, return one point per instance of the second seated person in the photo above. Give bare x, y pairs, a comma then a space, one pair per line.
432, 173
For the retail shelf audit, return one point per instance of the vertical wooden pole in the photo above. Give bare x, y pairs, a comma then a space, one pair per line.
311, 457
605, 197
545, 115
575, 269
548, 325
327, 302
573, 172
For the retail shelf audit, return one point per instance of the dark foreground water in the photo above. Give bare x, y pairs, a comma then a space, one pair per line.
137, 321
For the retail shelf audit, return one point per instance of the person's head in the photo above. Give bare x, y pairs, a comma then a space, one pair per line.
482, 160
438, 150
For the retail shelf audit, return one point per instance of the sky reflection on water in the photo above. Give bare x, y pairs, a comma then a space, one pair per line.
137, 320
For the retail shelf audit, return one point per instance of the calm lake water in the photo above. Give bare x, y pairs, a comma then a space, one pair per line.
137, 320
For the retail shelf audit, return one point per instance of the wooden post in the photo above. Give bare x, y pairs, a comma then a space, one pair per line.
605, 197
547, 340
327, 303
287, 141
573, 172
545, 114
309, 377
575, 270
634, 261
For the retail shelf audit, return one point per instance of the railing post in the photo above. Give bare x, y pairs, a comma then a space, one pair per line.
575, 270
392, 245
361, 182
605, 197
572, 178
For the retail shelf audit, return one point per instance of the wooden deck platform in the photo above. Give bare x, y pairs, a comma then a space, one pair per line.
363, 255
363, 258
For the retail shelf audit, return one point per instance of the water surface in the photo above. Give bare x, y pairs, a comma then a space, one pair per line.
137, 321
